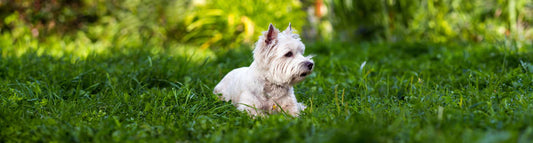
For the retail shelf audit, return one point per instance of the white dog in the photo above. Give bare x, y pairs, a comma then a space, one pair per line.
267, 85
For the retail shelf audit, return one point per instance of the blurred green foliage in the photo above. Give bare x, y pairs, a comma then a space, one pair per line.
64, 25
134, 23
227, 22
433, 20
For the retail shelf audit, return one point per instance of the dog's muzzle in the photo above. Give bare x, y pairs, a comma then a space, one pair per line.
309, 66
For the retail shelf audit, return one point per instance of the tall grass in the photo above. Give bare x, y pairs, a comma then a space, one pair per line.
413, 92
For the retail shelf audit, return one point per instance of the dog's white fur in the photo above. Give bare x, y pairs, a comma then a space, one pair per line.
267, 84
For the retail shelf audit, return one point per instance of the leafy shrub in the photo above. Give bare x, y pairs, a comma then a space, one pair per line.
433, 20
159, 23
223, 23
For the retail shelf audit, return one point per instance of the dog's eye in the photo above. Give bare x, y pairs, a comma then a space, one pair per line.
289, 54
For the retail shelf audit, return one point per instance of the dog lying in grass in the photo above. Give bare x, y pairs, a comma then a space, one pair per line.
267, 84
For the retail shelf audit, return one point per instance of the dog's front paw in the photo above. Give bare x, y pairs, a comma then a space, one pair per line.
249, 109
301, 107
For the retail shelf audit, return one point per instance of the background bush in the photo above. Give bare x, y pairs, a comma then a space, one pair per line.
433, 20
131, 23
225, 24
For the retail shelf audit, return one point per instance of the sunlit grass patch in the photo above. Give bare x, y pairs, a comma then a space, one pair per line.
80, 47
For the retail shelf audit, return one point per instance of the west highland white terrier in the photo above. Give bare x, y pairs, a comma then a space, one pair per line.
267, 84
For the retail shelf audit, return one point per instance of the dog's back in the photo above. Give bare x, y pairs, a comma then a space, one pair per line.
230, 86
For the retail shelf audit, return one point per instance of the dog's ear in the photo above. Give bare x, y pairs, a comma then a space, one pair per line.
271, 34
288, 30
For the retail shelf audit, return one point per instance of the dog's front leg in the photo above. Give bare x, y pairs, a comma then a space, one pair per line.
249, 103
290, 105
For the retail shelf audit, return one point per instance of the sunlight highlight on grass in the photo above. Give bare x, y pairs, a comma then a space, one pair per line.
81, 47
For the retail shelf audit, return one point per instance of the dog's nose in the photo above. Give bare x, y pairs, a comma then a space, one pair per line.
309, 65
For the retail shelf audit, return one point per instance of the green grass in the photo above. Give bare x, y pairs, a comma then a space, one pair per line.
406, 92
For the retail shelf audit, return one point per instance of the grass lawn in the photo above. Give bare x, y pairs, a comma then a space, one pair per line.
365, 92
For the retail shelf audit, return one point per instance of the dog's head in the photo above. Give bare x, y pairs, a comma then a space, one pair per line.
279, 55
